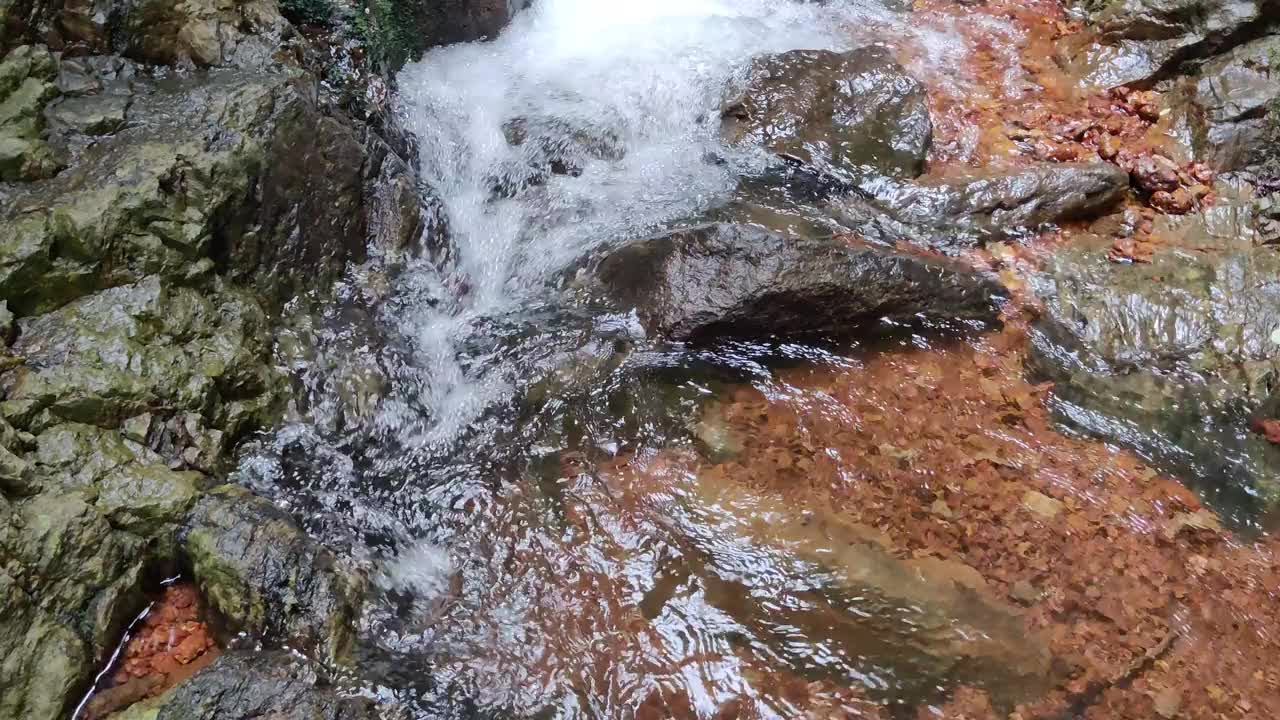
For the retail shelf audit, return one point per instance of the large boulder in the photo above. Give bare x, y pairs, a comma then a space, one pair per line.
857, 112
1141, 41
141, 348
1178, 356
986, 204
728, 280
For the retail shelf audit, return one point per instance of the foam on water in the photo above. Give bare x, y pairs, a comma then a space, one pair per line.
649, 78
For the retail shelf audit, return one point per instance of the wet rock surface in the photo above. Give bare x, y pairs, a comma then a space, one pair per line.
247, 685
962, 210
1145, 40
724, 281
1237, 100
154, 224
851, 113
1175, 355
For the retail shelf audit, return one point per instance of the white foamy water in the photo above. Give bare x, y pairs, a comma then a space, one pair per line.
631, 94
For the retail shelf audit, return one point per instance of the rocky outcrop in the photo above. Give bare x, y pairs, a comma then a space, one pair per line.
857, 112
1141, 41
232, 171
984, 205
152, 224
724, 280
1175, 356
26, 87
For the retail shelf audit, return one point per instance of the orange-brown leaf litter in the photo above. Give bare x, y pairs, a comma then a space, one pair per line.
1148, 606
1014, 102
168, 646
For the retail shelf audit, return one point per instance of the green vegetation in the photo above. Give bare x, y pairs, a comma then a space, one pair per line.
388, 29
308, 12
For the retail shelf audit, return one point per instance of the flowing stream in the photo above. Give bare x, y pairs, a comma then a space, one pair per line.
523, 567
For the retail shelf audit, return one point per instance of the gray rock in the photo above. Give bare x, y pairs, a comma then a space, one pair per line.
1145, 40
255, 685
1237, 106
725, 280
988, 204
1173, 357
89, 115
854, 112
26, 87
264, 576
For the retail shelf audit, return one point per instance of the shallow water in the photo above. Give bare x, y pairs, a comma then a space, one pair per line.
563, 518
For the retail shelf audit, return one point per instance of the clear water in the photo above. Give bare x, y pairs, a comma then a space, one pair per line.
517, 573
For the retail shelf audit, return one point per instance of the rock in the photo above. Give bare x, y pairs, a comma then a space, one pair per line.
1175, 355
199, 32
133, 348
224, 170
957, 631
1142, 41
143, 499
724, 280
26, 87
844, 112
990, 204
242, 684
1237, 106
68, 587
264, 576
401, 30
89, 115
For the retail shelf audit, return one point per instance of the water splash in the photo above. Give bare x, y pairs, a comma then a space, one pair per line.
585, 123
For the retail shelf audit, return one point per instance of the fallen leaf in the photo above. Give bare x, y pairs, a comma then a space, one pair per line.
1041, 504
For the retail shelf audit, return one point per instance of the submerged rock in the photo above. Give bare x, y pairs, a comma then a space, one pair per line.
852, 112
1174, 356
990, 204
838, 583
1145, 40
251, 685
725, 280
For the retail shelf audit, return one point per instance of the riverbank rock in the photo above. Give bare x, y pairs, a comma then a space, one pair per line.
854, 112
243, 684
988, 204
725, 280
1141, 41
1176, 356
1236, 101
142, 268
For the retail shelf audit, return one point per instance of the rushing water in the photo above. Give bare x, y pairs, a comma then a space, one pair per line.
520, 573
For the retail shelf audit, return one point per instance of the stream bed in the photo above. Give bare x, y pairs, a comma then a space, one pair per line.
566, 516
